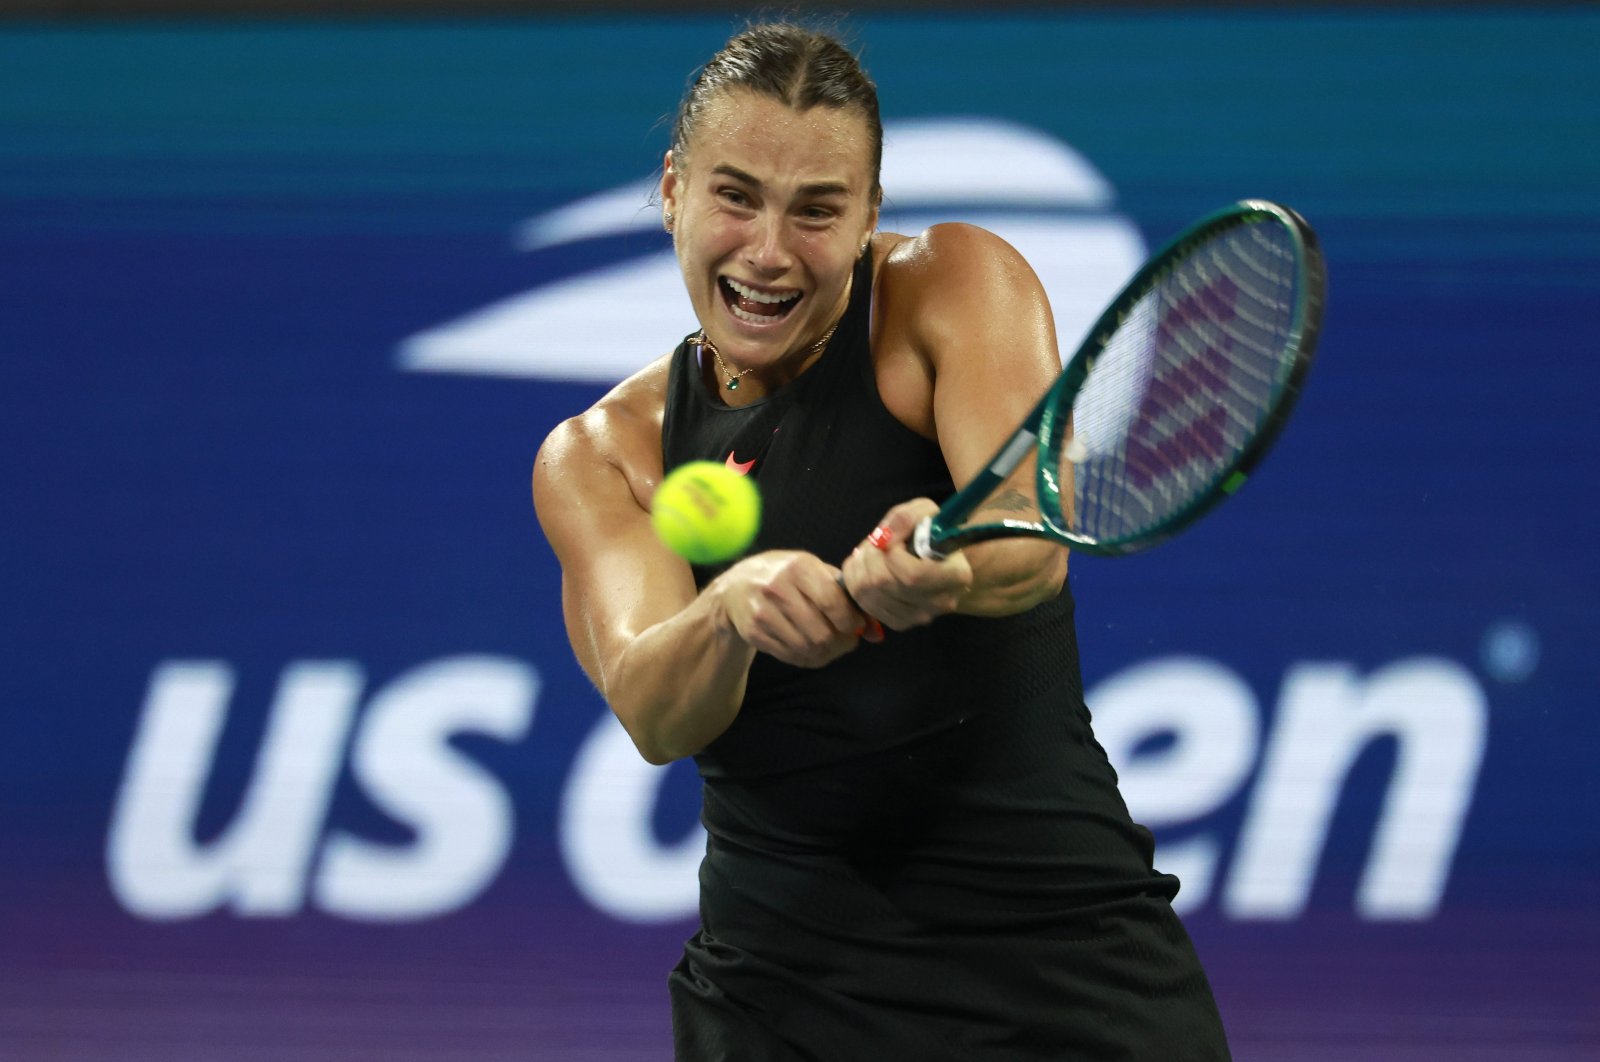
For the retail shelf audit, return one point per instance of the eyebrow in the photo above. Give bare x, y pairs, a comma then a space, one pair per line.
816, 188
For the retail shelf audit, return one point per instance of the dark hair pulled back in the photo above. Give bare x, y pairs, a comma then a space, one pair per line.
797, 66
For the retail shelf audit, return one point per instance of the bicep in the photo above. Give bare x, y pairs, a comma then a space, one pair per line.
617, 579
992, 347
990, 338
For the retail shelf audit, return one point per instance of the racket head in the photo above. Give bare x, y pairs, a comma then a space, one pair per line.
1184, 383
1182, 386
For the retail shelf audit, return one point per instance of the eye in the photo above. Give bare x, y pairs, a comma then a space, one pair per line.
733, 196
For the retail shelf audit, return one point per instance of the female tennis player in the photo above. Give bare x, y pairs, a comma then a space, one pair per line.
916, 847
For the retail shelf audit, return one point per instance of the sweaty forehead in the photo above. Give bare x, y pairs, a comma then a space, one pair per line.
773, 142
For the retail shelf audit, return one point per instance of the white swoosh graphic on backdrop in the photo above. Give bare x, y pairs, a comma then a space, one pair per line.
1033, 190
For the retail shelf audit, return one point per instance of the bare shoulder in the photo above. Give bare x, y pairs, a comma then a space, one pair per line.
951, 304
613, 445
952, 254
954, 281
961, 289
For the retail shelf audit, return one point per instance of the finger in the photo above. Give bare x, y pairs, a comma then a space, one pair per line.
805, 638
819, 607
868, 628
905, 591
869, 582
899, 523
935, 575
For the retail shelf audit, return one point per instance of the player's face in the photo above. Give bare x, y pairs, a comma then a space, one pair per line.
771, 208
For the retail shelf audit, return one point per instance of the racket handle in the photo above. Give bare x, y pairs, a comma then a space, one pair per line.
922, 541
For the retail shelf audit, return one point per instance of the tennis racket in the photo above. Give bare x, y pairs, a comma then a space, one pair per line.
1181, 388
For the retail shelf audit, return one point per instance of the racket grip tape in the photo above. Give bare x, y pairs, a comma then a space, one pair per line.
922, 541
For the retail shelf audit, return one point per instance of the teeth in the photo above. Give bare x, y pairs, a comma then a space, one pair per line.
754, 318
757, 296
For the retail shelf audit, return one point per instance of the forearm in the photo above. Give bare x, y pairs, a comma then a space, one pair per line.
679, 683
1012, 575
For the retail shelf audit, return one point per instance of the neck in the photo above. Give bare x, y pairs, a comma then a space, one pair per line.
737, 386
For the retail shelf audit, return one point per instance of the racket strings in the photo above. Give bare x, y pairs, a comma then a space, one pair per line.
1183, 384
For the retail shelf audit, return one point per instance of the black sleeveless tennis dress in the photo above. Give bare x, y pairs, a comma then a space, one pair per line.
917, 852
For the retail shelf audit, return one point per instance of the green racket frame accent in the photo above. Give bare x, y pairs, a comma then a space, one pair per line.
1047, 426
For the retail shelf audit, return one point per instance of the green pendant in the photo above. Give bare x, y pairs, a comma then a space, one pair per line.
733, 384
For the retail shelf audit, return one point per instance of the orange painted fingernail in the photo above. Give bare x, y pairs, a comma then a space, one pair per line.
871, 630
881, 537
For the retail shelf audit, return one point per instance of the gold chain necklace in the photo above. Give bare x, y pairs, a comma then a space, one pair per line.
732, 378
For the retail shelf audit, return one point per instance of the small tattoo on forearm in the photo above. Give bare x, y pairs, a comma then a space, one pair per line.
1010, 500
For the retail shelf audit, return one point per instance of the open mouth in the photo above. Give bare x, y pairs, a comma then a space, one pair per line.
755, 306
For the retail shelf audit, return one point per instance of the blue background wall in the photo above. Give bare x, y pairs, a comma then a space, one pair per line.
224, 491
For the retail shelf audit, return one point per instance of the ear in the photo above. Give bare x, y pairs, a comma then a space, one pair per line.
872, 223
669, 185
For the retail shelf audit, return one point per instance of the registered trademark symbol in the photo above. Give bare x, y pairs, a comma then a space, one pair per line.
1509, 651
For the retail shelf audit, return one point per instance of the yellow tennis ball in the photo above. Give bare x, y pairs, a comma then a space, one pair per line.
706, 513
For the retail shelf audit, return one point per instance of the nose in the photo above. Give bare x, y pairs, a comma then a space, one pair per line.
768, 249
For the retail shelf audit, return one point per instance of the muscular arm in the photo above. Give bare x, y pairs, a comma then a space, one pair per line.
670, 662
970, 348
